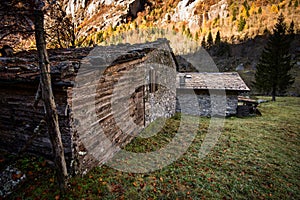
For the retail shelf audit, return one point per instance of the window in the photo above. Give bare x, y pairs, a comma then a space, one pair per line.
153, 86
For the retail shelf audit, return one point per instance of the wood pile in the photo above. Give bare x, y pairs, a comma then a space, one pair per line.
248, 107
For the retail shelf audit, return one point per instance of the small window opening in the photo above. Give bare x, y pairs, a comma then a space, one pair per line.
153, 86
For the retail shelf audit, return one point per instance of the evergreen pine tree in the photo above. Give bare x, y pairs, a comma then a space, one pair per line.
241, 24
234, 14
210, 40
218, 38
188, 33
203, 42
296, 3
196, 36
291, 30
259, 10
272, 73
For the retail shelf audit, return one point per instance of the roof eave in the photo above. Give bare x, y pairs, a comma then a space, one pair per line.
190, 88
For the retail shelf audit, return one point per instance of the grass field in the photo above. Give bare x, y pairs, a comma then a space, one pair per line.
255, 158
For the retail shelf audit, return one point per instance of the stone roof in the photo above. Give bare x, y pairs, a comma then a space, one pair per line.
23, 66
211, 81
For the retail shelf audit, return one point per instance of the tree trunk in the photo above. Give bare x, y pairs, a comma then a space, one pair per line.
73, 36
274, 93
58, 38
49, 103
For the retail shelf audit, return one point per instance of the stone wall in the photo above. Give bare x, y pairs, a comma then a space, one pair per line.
199, 103
160, 104
160, 90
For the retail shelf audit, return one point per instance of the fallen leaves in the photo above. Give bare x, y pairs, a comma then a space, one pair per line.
135, 184
243, 169
17, 176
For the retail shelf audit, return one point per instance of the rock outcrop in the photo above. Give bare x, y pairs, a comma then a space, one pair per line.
186, 10
218, 10
112, 12
95, 15
135, 7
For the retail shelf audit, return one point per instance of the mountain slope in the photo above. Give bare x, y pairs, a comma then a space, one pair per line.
237, 20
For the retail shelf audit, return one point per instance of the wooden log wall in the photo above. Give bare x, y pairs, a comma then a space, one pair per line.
120, 105
19, 119
96, 115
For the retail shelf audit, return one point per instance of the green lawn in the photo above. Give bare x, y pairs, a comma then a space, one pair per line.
255, 158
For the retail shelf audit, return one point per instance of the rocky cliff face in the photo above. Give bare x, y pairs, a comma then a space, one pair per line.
88, 7
218, 10
100, 14
186, 10
110, 12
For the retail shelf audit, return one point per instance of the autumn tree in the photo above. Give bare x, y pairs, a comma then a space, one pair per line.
272, 75
60, 28
15, 25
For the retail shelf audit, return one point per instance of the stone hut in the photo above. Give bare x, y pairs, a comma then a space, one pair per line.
102, 94
195, 92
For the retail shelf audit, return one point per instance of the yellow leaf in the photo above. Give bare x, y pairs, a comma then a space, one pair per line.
135, 184
140, 179
152, 177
